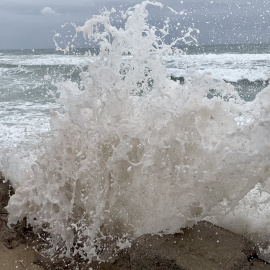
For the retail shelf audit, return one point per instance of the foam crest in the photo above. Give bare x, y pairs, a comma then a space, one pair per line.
134, 152
229, 67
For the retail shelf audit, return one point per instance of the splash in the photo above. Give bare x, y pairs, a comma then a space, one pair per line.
134, 152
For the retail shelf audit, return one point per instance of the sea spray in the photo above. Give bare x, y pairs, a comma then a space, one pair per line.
134, 152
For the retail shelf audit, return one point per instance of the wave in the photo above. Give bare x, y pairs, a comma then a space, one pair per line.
244, 82
135, 152
229, 67
40, 60
229, 75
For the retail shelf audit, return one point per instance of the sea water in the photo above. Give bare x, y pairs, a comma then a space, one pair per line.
136, 137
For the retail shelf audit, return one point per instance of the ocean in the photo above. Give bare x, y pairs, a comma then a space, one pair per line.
29, 81
136, 137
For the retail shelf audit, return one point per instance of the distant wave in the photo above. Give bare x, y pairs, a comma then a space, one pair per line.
37, 60
246, 82
229, 67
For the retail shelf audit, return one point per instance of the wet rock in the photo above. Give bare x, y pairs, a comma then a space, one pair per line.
17, 234
258, 264
205, 246
7, 235
6, 191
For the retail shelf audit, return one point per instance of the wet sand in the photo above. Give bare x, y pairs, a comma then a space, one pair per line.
21, 257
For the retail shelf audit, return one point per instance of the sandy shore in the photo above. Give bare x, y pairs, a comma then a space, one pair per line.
21, 258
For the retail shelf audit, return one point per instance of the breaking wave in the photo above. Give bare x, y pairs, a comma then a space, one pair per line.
134, 152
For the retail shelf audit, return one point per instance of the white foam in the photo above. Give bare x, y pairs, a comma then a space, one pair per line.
33, 59
23, 124
134, 152
229, 67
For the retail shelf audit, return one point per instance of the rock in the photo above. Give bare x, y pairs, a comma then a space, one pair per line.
7, 235
6, 191
258, 264
17, 234
205, 246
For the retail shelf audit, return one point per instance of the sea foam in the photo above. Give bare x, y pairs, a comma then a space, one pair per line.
133, 152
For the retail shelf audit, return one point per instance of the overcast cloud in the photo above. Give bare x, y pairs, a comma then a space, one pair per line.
49, 11
32, 24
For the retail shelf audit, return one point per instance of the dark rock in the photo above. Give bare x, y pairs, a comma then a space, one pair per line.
16, 234
205, 246
258, 264
6, 191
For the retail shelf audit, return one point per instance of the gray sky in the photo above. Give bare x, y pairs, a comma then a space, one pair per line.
32, 23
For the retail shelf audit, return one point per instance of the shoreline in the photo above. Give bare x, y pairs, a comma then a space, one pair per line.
204, 246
